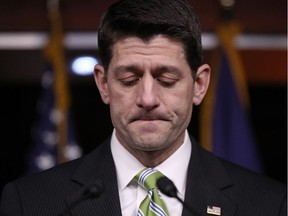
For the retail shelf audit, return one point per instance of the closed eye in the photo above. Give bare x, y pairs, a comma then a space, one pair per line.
166, 83
129, 82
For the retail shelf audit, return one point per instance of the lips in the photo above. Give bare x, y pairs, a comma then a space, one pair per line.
158, 117
149, 119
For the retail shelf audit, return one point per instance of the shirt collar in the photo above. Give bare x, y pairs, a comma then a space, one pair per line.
127, 166
175, 167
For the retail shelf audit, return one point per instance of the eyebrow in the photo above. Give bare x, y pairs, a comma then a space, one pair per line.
167, 68
156, 70
124, 68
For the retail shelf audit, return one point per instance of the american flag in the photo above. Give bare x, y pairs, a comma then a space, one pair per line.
44, 151
213, 210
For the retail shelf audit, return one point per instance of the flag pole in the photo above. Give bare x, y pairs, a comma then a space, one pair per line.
227, 31
54, 52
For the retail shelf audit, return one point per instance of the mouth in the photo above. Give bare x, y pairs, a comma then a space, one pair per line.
148, 121
149, 118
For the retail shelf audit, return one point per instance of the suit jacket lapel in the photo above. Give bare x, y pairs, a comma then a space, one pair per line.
98, 166
207, 182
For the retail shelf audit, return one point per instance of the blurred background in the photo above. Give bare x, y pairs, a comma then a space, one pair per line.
25, 28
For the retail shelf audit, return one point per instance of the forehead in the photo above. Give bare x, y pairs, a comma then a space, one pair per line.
159, 48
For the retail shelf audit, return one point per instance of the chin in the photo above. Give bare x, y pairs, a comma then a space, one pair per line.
149, 144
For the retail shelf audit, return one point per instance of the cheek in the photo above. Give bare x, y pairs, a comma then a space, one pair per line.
120, 97
181, 102
183, 111
181, 96
121, 102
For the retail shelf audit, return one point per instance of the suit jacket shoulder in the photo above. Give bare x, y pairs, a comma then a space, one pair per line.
59, 191
214, 182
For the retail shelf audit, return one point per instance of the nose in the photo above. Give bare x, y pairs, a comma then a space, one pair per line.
148, 94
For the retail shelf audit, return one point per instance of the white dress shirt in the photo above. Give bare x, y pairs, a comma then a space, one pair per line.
127, 166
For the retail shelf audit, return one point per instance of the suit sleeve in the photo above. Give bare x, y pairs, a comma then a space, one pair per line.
10, 201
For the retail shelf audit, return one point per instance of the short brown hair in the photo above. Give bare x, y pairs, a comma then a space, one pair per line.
147, 18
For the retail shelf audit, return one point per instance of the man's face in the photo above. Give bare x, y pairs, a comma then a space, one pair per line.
150, 91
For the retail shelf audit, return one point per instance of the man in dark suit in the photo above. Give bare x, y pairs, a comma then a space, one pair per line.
152, 73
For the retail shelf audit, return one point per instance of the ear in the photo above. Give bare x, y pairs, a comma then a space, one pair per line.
101, 82
201, 83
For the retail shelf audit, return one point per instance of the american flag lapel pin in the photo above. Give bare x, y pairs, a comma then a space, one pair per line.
213, 210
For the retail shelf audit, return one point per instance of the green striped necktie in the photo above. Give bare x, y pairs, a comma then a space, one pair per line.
153, 204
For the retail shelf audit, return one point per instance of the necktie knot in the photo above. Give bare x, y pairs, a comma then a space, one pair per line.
153, 204
147, 178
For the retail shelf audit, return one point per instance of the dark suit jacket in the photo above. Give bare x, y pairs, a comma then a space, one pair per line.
211, 182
